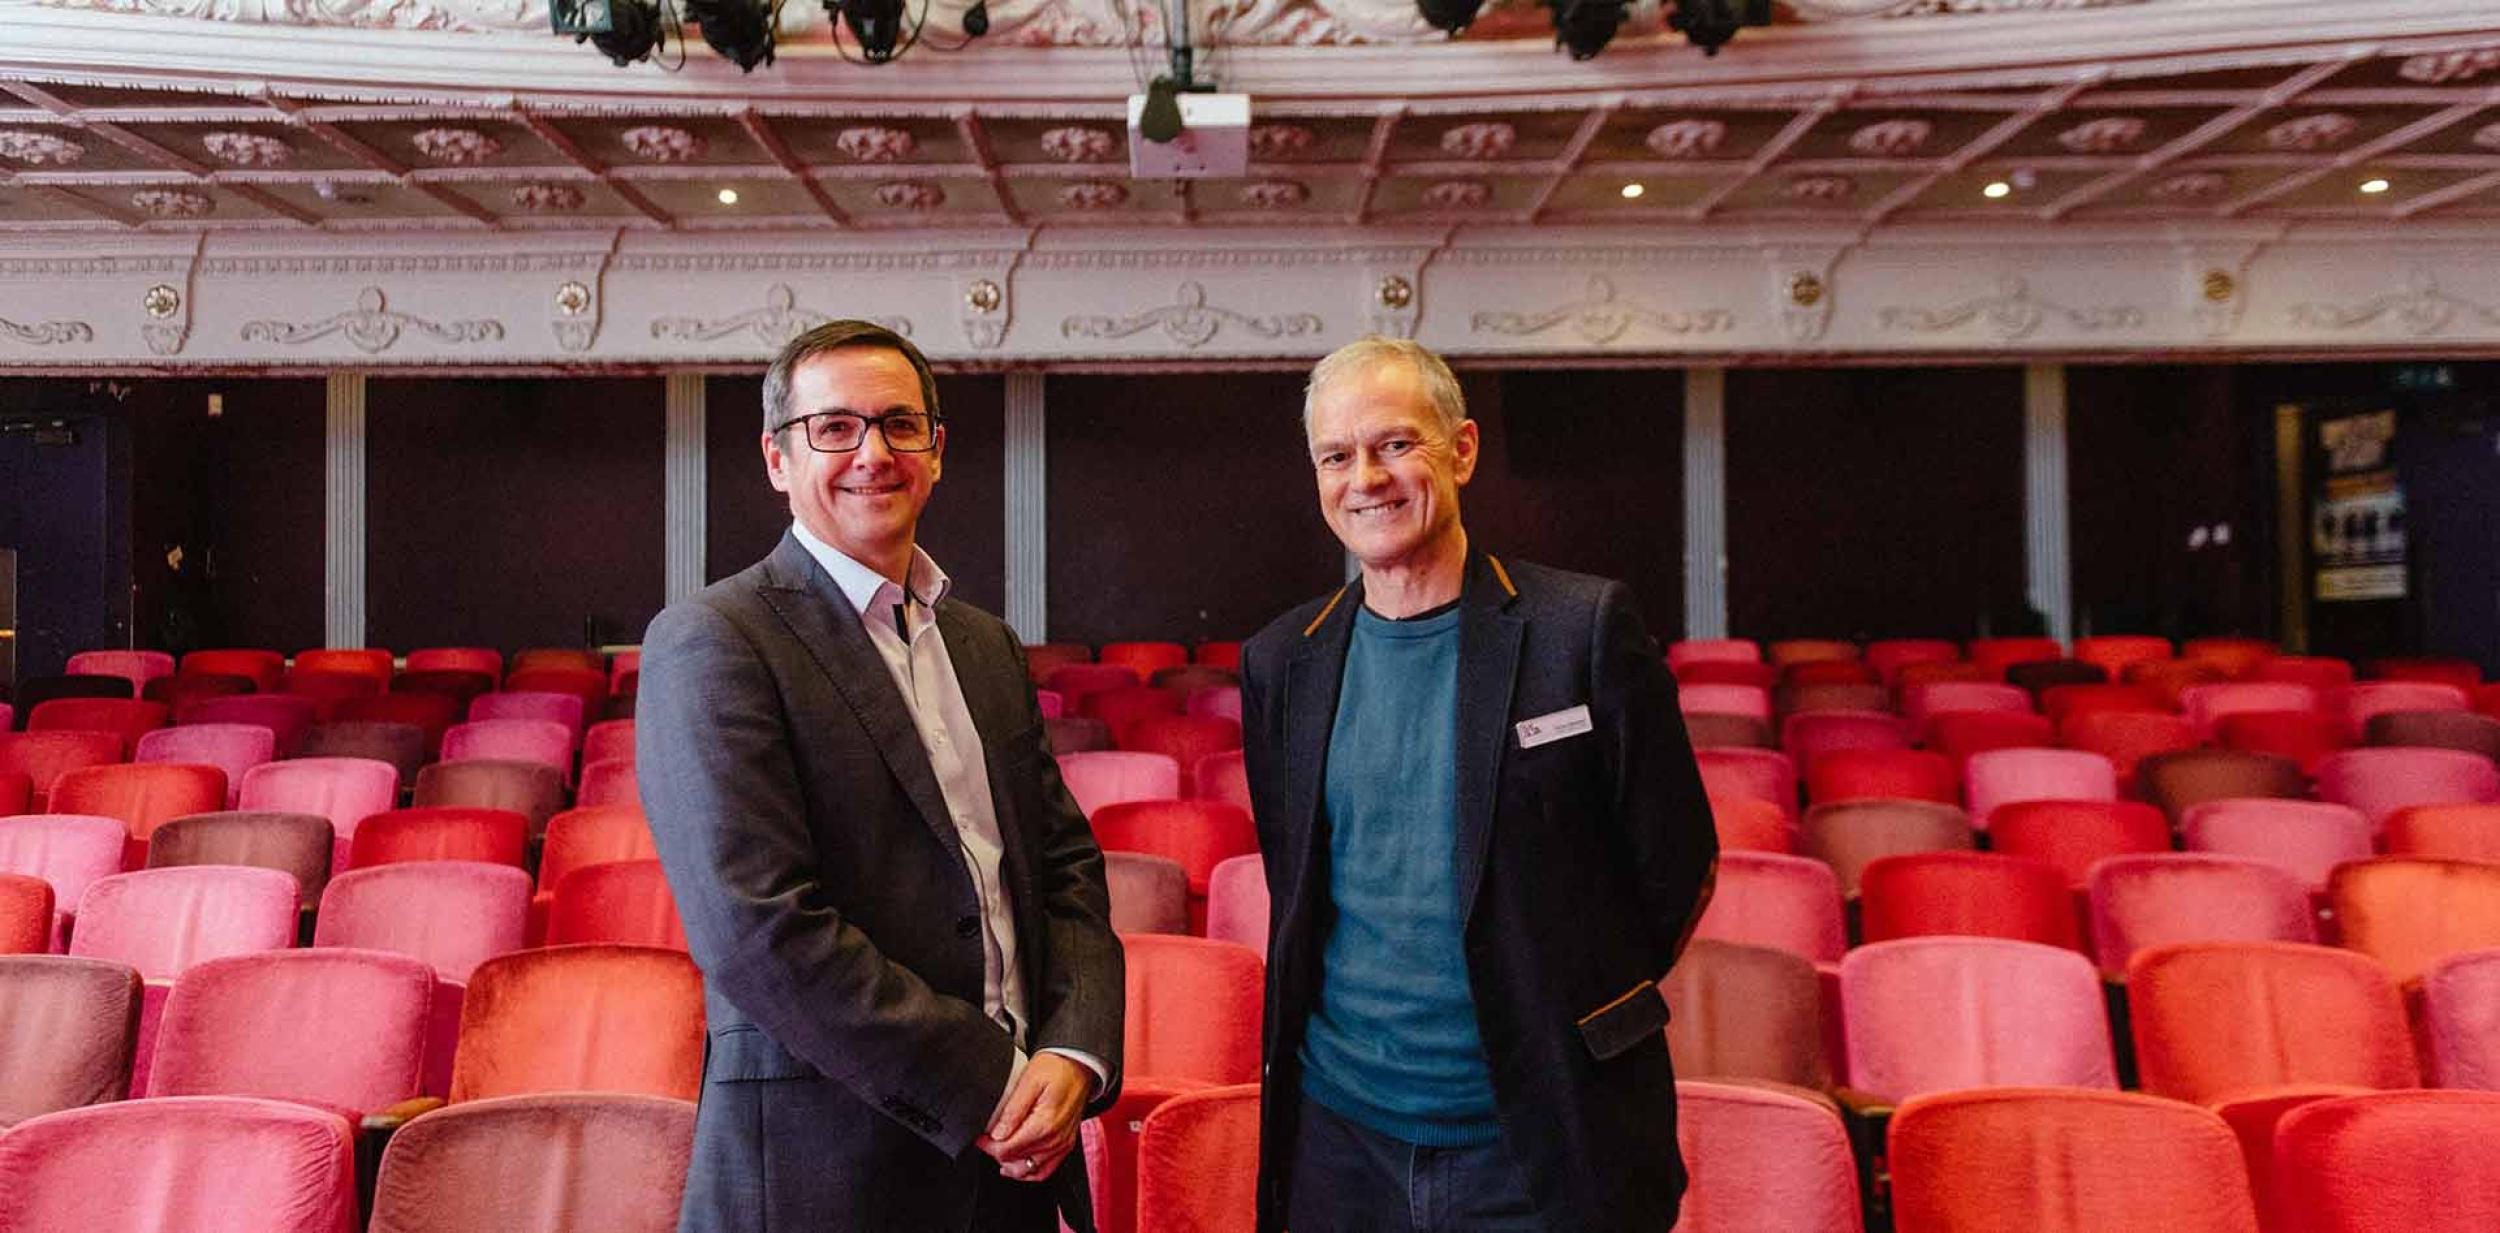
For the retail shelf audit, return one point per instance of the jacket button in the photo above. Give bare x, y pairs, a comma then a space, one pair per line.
967, 926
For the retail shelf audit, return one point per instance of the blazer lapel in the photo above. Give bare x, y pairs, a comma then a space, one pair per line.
1311, 680
1489, 635
824, 622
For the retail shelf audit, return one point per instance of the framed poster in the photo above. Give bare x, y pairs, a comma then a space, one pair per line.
2357, 514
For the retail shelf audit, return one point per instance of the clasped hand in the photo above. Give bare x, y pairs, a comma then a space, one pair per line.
1037, 1125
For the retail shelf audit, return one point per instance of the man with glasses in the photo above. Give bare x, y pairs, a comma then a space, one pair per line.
1486, 841
912, 987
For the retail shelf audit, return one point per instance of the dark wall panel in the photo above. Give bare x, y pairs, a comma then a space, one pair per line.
513, 513
963, 529
2154, 454
239, 494
62, 509
1874, 502
1181, 507
1584, 471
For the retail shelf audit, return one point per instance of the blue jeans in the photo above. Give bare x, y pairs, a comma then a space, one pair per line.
1349, 1178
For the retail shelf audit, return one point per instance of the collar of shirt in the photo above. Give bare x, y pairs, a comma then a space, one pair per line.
869, 591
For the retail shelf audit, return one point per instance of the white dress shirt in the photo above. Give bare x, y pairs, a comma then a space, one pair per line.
902, 624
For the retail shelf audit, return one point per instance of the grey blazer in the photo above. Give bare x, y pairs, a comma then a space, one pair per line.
849, 1066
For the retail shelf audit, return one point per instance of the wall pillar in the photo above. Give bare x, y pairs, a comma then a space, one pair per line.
1027, 493
343, 513
1705, 502
683, 504
2048, 559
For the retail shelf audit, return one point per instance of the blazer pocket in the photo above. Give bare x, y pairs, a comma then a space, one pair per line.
744, 1053
1640, 1015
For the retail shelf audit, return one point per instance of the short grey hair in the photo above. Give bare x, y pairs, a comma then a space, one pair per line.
836, 336
1440, 384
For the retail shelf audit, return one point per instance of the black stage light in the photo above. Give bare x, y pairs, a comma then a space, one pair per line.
1709, 24
1584, 27
877, 24
580, 16
1160, 120
977, 19
633, 32
1450, 16
740, 30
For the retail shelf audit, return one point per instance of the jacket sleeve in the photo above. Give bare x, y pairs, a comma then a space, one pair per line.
1084, 992
1658, 791
722, 791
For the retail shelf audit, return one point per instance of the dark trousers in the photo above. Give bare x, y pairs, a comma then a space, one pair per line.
1002, 1206
1349, 1178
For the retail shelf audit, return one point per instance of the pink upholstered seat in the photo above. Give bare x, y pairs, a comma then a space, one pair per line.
1746, 700
1851, 835
163, 921
2446, 832
613, 738
232, 748
1713, 650
2410, 913
622, 902
1221, 777
2461, 1020
557, 1161
2381, 780
1808, 737
1763, 1160
478, 659
1108, 777
2144, 901
2215, 1021
2113, 652
1940, 1014
2414, 1162
1748, 1013
609, 781
342, 1030
1237, 902
2205, 706
344, 790
452, 915
543, 741
1198, 834
141, 796
581, 1018
138, 667
1922, 703
66, 1025
1149, 893
1763, 774
1883, 774
1789, 903
127, 718
70, 851
1197, 1159
286, 716
2005, 776
1214, 702
26, 917
1194, 1009
2369, 698
1999, 654
2071, 835
1968, 894
201, 1164
2306, 839
560, 708
2065, 1161
1888, 656
43, 757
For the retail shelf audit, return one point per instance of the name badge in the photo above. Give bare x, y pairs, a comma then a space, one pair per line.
1562, 724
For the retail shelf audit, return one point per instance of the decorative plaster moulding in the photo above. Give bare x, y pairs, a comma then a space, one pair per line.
663, 143
1274, 194
456, 147
237, 149
1094, 195
39, 149
2106, 135
1280, 142
1891, 138
876, 143
1079, 143
2322, 131
909, 195
1688, 138
1481, 142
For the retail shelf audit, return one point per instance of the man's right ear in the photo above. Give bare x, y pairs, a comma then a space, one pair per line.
773, 461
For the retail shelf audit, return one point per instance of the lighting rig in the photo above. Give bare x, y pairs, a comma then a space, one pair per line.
630, 31
1584, 27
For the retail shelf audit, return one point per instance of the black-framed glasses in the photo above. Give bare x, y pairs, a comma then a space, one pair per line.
840, 432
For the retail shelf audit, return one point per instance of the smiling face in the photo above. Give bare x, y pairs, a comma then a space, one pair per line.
1389, 472
865, 503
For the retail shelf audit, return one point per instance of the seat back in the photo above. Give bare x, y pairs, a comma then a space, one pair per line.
69, 851
2464, 730
2062, 703
1193, 1170
367, 661
162, 921
1762, 774
516, 740
344, 790
1889, 656
1763, 1161
2126, 737
2446, 832
137, 667
2213, 1020
594, 835
451, 915
287, 716
25, 915
2325, 674
127, 718
1237, 902
2042, 675
1074, 681
1707, 731
2173, 677
1790, 903
210, 1164
2305, 737
1750, 673
1108, 777
581, 1018
533, 790
1069, 734
1198, 834
2072, 835
2461, 1020
2206, 705
2370, 698
612, 738
2410, 913
559, 1160
1040, 659
1222, 777
1149, 894
1118, 708
403, 746
1867, 774
2379, 781
1787, 651
609, 781
1182, 738
43, 757
2113, 652
2306, 839
2177, 782
1851, 835
1941, 1014
1194, 1008
338, 1029
1811, 736
2065, 1162
1750, 701
142, 795
623, 902
1959, 734
587, 687
1968, 894
17, 788
574, 658
1144, 658
1747, 824
1998, 654
440, 833
1713, 650
1922, 703
1210, 701
296, 844
34, 691
2236, 657
1746, 1012
2423, 1162
2005, 776
2143, 901
66, 1029
232, 748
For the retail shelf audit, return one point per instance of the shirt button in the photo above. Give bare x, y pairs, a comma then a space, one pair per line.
967, 926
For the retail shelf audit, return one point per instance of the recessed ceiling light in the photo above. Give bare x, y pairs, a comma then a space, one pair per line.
2374, 186
1996, 189
729, 196
1631, 191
